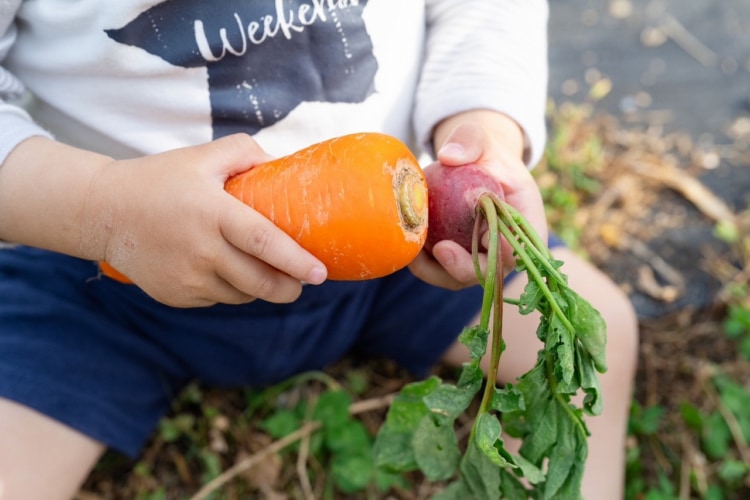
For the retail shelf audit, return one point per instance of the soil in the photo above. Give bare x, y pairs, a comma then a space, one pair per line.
675, 67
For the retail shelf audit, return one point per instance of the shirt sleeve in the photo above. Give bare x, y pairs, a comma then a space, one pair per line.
15, 123
482, 54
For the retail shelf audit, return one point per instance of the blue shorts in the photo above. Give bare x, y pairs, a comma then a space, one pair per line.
107, 360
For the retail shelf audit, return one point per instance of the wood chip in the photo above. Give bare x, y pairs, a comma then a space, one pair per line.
689, 42
648, 284
691, 188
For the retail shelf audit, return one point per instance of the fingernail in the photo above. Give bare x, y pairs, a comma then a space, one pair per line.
317, 275
451, 149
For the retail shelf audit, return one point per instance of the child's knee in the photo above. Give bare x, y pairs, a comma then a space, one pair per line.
622, 334
615, 307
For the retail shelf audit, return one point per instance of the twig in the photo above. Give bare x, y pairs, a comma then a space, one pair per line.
647, 283
690, 187
656, 262
253, 460
688, 42
685, 466
182, 468
735, 429
664, 462
731, 420
304, 451
692, 470
301, 433
304, 478
371, 404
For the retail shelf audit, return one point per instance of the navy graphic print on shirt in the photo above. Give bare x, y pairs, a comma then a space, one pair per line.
264, 57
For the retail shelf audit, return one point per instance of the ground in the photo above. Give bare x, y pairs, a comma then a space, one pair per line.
649, 163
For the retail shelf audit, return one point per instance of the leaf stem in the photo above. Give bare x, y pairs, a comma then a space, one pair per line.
487, 281
533, 270
494, 282
530, 239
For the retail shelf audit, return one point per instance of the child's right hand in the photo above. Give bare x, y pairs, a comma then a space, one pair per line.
166, 222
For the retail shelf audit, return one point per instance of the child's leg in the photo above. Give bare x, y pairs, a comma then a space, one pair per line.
39, 457
604, 476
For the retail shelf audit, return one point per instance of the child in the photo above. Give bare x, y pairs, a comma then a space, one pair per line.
143, 109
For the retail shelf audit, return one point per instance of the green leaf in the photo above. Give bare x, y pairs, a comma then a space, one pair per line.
350, 436
436, 448
515, 423
590, 327
646, 421
452, 400
734, 395
479, 474
385, 480
736, 398
558, 341
168, 431
171, 429
457, 490
434, 442
530, 298
692, 415
733, 471
534, 474
393, 445
589, 380
745, 347
487, 435
508, 399
716, 437
158, 494
567, 458
352, 471
714, 492
357, 381
281, 423
332, 408
566, 363
211, 465
472, 377
737, 322
734, 328
511, 487
475, 338
540, 414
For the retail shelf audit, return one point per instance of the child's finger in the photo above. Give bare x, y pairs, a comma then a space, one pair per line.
465, 144
258, 237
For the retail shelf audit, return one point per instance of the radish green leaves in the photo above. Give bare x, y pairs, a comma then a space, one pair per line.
419, 431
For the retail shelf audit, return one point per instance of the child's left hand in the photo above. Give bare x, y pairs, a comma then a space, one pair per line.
494, 142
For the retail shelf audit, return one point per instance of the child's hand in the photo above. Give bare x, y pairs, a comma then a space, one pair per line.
495, 143
164, 221
175, 232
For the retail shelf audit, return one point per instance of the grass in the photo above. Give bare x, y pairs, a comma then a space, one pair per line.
689, 430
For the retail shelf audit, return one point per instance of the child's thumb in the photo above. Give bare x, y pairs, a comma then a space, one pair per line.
463, 145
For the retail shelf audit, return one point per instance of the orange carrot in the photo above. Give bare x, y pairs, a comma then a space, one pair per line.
357, 202
109, 271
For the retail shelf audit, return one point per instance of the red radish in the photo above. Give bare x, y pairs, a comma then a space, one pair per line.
452, 203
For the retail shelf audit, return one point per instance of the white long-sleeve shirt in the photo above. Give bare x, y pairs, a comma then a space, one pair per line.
137, 77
